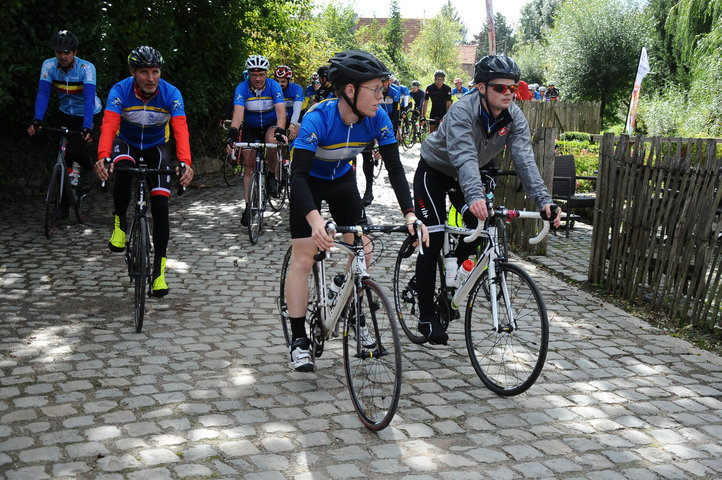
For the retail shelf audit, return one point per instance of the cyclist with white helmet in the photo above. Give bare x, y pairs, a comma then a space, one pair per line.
332, 133
259, 112
293, 99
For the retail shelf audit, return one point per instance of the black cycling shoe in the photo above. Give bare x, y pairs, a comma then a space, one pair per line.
244, 218
368, 197
272, 185
430, 327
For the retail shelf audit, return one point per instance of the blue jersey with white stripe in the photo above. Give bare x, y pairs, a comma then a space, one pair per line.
259, 105
294, 93
145, 123
393, 96
72, 87
336, 144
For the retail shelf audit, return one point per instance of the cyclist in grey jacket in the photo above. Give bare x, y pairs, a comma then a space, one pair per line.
475, 130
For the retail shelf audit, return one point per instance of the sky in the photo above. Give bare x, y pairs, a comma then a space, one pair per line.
471, 12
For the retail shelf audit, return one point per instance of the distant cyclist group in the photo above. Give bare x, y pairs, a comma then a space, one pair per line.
353, 105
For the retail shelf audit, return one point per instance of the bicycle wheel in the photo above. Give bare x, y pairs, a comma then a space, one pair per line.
84, 206
314, 292
233, 169
405, 134
255, 211
411, 135
510, 359
406, 298
52, 201
278, 201
378, 165
140, 260
373, 374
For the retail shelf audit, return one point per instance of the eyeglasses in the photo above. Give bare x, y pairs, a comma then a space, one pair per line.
378, 91
501, 88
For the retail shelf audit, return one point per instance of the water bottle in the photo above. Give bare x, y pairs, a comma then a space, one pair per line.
464, 272
75, 174
335, 287
451, 268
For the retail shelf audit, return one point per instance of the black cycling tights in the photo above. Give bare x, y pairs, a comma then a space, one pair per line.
158, 208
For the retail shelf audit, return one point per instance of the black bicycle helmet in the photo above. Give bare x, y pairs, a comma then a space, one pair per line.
355, 66
64, 41
496, 66
439, 73
145, 57
322, 71
415, 83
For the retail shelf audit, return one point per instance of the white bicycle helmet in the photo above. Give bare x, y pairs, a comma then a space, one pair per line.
258, 62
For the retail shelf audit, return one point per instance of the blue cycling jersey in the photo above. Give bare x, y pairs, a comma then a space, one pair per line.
76, 89
145, 123
294, 93
393, 96
259, 105
336, 144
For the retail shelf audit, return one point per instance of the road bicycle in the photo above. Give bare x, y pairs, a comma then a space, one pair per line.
283, 176
232, 166
373, 370
506, 328
61, 193
139, 248
410, 130
258, 198
378, 164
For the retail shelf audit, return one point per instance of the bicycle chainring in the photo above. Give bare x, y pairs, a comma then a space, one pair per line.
317, 335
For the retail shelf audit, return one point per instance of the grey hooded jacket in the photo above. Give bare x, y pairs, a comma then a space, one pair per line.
461, 146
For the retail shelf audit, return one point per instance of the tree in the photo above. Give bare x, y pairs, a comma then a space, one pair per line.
394, 34
580, 44
435, 48
449, 12
537, 18
504, 35
337, 23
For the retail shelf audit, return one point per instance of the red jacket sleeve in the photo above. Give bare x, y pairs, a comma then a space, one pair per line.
182, 143
108, 130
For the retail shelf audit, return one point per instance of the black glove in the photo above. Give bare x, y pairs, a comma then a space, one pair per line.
86, 131
36, 123
279, 133
232, 136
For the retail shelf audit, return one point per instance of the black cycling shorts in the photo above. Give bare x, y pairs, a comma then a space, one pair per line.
154, 157
252, 134
341, 196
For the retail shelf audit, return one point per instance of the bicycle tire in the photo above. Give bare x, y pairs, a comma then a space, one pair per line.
255, 210
52, 201
405, 293
314, 293
277, 202
232, 169
507, 362
84, 206
405, 131
373, 374
141, 260
378, 166
411, 136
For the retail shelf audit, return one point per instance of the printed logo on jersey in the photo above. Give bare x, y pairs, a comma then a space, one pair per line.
503, 131
177, 105
116, 102
386, 133
312, 138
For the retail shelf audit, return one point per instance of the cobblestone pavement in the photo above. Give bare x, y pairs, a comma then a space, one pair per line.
206, 390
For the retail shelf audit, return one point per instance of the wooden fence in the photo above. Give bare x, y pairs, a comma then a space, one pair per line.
657, 227
565, 116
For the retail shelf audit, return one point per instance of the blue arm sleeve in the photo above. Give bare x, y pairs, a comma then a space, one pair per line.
41, 101
89, 106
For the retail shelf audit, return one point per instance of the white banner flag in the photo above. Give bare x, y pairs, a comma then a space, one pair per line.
642, 71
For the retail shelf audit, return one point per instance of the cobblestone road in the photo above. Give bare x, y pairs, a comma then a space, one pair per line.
206, 390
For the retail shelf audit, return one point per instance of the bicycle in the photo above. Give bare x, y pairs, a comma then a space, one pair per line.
508, 352
372, 371
232, 166
60, 188
139, 248
283, 175
257, 196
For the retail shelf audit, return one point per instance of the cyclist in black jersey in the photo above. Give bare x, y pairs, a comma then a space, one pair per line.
440, 95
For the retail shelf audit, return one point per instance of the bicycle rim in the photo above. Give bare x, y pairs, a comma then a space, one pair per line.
406, 299
313, 297
255, 213
278, 202
373, 374
52, 202
507, 361
140, 270
232, 169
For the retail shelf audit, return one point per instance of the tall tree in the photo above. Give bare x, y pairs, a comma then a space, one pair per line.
394, 34
580, 43
436, 48
504, 35
537, 18
449, 12
337, 23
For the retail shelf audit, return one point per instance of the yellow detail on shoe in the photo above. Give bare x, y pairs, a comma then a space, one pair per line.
117, 239
160, 288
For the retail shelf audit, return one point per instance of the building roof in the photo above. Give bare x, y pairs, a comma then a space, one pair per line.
467, 53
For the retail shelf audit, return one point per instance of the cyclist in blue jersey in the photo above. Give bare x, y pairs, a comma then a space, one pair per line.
293, 99
417, 96
332, 134
74, 80
390, 104
459, 90
405, 97
259, 112
138, 117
